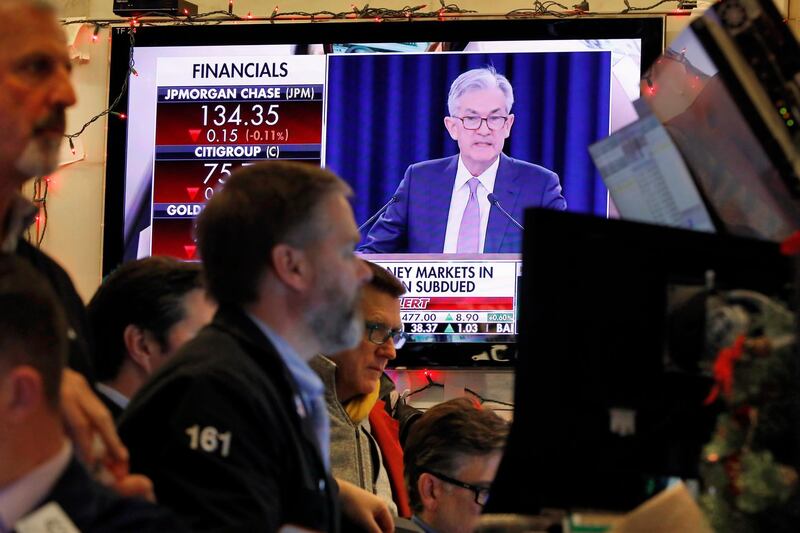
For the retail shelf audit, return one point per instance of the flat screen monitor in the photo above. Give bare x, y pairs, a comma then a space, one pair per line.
610, 389
368, 100
718, 145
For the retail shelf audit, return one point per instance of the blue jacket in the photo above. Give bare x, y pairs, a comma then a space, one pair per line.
417, 221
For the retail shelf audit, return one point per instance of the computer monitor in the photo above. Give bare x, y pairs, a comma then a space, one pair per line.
725, 95
609, 393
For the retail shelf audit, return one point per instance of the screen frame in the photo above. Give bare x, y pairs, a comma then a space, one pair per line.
649, 29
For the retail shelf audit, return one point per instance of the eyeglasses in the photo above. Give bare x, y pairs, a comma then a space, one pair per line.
481, 493
380, 333
494, 122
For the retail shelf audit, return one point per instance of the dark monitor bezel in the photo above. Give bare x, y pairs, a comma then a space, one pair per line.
462, 30
575, 343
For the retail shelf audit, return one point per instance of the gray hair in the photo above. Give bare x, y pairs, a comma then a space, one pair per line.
477, 79
445, 436
38, 5
42, 6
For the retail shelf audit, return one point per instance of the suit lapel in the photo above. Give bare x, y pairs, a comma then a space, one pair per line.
438, 195
75, 493
506, 189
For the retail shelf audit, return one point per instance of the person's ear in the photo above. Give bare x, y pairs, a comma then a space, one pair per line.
451, 124
428, 489
292, 266
21, 394
141, 347
509, 123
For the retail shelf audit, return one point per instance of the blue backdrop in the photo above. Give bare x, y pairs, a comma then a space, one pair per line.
386, 112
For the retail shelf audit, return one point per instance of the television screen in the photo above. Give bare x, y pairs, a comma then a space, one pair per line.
370, 102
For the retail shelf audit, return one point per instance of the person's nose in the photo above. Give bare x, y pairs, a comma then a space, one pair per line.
63, 93
387, 349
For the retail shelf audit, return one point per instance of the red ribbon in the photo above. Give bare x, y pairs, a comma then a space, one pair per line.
791, 245
723, 369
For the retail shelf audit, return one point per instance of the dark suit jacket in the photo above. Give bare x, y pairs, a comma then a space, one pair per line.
112, 406
94, 508
80, 340
417, 222
219, 431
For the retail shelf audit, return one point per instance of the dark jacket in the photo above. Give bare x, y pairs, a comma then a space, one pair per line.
94, 508
221, 431
417, 221
79, 337
112, 406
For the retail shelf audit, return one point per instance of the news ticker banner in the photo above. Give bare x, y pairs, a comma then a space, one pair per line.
215, 115
466, 300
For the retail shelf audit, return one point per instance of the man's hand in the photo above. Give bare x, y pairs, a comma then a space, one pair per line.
364, 508
135, 486
85, 416
92, 430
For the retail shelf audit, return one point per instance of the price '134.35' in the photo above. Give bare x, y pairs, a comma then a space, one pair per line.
254, 115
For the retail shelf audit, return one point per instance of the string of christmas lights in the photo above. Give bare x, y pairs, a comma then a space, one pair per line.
41, 186
541, 9
111, 109
630, 9
484, 400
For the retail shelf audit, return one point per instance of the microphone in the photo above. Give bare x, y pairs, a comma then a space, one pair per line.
380, 211
495, 202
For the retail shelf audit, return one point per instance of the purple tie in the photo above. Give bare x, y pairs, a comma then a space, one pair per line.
469, 232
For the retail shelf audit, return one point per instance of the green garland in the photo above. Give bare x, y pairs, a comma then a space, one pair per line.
750, 485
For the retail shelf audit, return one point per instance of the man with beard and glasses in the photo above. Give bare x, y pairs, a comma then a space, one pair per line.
234, 429
35, 92
365, 441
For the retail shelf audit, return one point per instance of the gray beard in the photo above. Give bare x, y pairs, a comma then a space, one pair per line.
336, 331
39, 158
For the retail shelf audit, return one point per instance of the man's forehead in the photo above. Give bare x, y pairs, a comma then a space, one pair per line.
481, 98
27, 28
381, 304
478, 108
331, 220
340, 218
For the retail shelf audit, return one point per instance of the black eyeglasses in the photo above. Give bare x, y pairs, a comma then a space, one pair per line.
495, 122
380, 333
481, 493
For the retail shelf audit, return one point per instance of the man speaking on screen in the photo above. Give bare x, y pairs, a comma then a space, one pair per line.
456, 204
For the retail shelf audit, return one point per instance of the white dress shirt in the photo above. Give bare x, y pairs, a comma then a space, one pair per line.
20, 497
458, 202
113, 394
